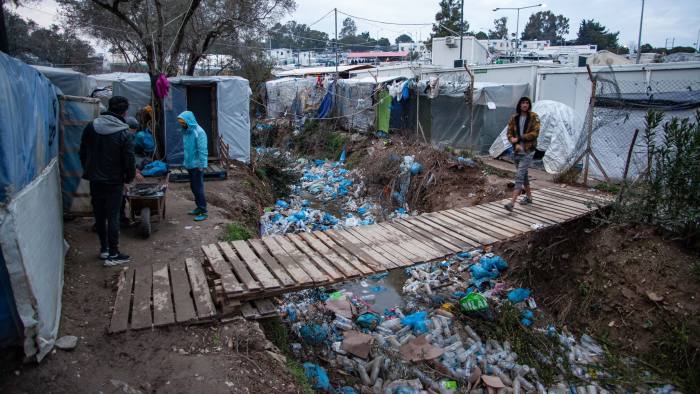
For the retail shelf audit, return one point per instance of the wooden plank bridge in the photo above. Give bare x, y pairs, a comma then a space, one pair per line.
241, 271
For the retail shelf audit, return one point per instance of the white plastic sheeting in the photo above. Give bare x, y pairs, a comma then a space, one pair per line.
282, 92
31, 237
70, 82
560, 131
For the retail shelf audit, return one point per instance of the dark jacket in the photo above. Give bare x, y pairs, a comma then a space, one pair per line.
532, 130
107, 151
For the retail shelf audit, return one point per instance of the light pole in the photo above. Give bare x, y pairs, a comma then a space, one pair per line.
517, 23
639, 40
461, 36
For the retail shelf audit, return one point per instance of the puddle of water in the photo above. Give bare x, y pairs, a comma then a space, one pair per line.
386, 291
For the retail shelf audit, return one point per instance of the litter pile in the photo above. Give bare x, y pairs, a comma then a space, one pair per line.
429, 343
328, 196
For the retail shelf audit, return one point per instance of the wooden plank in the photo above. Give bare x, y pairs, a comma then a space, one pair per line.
266, 307
222, 269
163, 312
537, 219
420, 251
184, 308
545, 209
437, 247
200, 290
239, 268
486, 222
249, 311
470, 229
287, 262
122, 303
374, 260
397, 257
386, 239
537, 213
256, 266
364, 266
141, 312
503, 221
272, 263
552, 198
300, 259
445, 232
429, 234
582, 196
503, 215
338, 262
320, 260
558, 206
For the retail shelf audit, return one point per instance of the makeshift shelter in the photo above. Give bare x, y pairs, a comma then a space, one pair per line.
450, 117
31, 225
136, 87
70, 82
221, 106
560, 131
606, 58
294, 96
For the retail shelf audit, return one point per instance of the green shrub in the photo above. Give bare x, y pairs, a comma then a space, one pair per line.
236, 232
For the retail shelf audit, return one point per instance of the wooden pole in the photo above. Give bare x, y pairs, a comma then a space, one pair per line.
589, 125
627, 165
471, 103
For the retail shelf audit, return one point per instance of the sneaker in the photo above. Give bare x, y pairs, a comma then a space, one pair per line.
104, 255
117, 259
508, 207
195, 212
525, 201
202, 216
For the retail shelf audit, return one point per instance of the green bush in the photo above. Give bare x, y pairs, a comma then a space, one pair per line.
668, 194
236, 232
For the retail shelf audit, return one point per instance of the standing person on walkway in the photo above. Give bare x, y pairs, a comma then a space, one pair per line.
523, 130
194, 140
107, 157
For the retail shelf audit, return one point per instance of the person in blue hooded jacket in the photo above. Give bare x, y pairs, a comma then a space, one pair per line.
194, 140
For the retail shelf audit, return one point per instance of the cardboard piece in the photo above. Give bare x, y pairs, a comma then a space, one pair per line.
492, 381
357, 343
419, 349
341, 306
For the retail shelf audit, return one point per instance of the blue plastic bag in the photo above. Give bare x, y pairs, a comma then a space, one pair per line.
347, 390
493, 262
313, 333
156, 168
416, 168
478, 271
518, 295
282, 204
368, 320
417, 321
317, 376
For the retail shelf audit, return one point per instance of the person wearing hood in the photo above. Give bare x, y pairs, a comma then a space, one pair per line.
107, 157
194, 141
523, 130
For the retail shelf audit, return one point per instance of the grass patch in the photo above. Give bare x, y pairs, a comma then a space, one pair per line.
318, 142
607, 187
278, 334
676, 357
568, 177
236, 232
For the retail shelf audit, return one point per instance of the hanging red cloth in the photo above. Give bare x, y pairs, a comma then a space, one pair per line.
162, 86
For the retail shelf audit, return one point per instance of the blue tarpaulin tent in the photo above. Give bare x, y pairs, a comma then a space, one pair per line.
31, 226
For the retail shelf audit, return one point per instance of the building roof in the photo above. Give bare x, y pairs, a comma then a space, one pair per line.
352, 55
300, 72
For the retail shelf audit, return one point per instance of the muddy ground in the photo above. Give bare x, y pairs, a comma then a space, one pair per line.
631, 287
218, 358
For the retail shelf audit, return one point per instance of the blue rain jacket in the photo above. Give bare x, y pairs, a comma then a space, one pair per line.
194, 141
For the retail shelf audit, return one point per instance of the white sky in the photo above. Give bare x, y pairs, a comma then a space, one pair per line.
662, 19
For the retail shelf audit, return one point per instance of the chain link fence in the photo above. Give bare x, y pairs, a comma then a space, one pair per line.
614, 127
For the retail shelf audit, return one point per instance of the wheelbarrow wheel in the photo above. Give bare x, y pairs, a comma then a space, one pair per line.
145, 226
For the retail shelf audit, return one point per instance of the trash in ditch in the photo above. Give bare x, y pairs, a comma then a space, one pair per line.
424, 344
317, 376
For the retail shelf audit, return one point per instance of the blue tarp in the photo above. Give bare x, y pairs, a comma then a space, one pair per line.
28, 125
10, 326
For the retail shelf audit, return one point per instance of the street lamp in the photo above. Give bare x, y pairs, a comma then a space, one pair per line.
639, 40
517, 23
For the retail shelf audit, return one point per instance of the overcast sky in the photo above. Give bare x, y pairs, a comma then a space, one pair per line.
662, 18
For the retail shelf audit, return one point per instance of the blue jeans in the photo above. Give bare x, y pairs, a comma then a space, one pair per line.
197, 187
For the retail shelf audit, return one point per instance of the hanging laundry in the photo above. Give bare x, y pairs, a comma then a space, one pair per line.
162, 86
383, 110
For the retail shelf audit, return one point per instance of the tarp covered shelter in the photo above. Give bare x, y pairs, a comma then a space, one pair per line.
447, 118
136, 87
31, 223
221, 106
70, 82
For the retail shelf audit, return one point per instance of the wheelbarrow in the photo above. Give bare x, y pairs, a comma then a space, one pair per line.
147, 202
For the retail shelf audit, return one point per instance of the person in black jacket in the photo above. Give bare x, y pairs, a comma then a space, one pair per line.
107, 156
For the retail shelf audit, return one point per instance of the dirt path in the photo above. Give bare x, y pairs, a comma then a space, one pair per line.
212, 359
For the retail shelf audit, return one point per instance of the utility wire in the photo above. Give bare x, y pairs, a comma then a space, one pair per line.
385, 22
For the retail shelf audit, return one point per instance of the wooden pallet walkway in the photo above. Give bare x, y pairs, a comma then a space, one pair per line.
161, 294
261, 268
